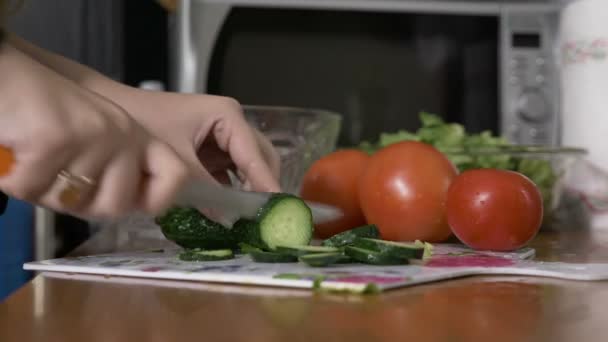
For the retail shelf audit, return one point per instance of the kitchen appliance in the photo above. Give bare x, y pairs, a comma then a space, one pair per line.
486, 64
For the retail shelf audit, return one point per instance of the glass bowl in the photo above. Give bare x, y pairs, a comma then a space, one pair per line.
300, 135
548, 167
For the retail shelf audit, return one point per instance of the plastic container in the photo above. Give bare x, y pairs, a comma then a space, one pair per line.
583, 56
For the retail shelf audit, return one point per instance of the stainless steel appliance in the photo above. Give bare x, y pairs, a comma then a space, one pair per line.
487, 64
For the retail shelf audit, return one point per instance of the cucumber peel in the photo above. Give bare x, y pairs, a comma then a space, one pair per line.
400, 250
371, 257
271, 257
304, 250
348, 237
198, 254
323, 259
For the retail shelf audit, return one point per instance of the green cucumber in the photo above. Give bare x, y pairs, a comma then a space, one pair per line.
348, 237
247, 248
428, 248
188, 228
372, 257
271, 257
303, 250
198, 254
403, 250
323, 259
285, 220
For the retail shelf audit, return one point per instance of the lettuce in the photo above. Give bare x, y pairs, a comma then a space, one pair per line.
459, 146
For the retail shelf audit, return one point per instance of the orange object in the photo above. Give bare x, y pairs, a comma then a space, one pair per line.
403, 191
6, 160
333, 180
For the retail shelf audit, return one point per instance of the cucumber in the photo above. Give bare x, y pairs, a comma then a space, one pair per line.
198, 254
271, 257
303, 250
402, 250
285, 220
428, 248
247, 248
323, 259
188, 228
372, 257
348, 237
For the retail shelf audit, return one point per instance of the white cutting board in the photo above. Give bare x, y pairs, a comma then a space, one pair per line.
448, 262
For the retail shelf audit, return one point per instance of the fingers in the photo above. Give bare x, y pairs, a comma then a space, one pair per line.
118, 188
250, 161
165, 174
270, 154
77, 181
32, 174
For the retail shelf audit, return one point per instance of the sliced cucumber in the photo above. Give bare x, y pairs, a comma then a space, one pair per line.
285, 220
368, 256
247, 248
205, 255
323, 259
402, 250
428, 248
303, 250
189, 228
348, 237
270, 257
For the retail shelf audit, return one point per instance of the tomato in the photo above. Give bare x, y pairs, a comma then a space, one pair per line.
493, 209
403, 191
333, 180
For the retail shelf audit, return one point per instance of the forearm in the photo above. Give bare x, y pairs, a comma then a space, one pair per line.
136, 102
82, 75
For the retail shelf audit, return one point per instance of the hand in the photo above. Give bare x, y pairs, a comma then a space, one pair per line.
201, 128
211, 134
55, 127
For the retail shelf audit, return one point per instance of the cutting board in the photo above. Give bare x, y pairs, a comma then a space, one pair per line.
448, 262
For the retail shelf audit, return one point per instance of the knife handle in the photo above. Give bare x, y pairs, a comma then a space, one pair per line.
7, 160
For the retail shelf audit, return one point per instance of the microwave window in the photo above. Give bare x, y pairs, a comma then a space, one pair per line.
378, 70
526, 40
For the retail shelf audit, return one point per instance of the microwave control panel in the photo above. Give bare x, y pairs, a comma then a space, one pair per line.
530, 85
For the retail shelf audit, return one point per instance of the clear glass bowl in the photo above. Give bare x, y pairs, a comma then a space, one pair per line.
300, 135
548, 167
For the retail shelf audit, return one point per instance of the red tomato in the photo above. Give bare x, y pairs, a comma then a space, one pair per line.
403, 191
494, 209
333, 180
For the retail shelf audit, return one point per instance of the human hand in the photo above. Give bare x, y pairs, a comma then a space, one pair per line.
211, 134
75, 151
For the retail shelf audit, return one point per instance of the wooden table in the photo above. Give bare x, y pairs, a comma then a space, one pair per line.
471, 309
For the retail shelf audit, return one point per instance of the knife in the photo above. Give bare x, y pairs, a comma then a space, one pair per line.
226, 204
231, 203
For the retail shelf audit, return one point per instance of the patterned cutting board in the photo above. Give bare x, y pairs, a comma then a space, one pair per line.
448, 262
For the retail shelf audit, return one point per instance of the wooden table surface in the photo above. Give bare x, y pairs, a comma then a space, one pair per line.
495, 309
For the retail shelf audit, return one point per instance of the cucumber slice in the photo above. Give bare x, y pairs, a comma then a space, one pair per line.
371, 257
303, 250
188, 228
198, 254
401, 250
247, 248
270, 257
428, 248
285, 220
348, 237
323, 259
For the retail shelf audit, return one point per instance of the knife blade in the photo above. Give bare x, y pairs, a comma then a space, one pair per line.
232, 203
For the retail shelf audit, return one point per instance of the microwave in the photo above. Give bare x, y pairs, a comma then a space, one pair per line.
489, 65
